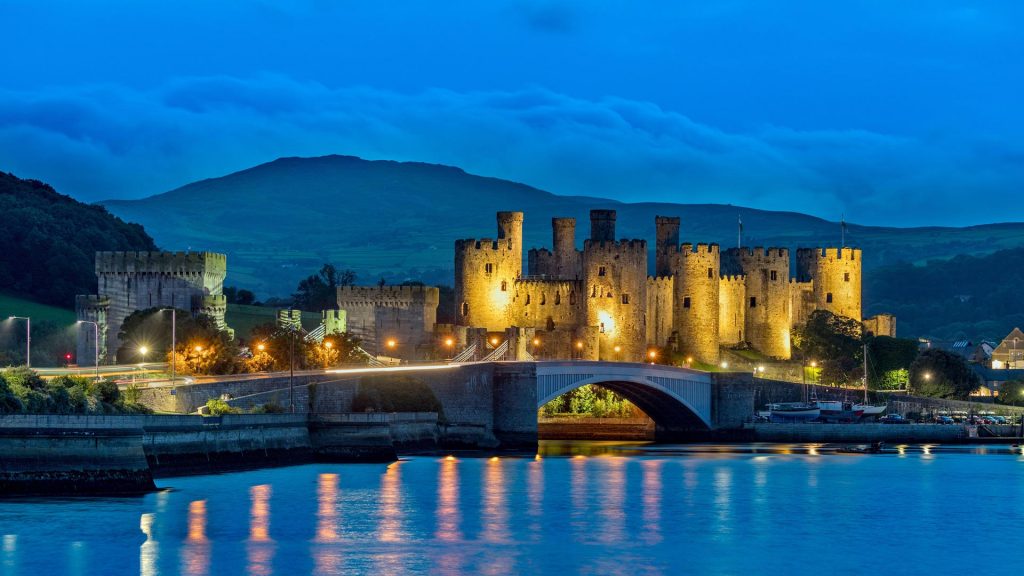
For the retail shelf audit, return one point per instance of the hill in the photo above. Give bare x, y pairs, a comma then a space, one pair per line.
48, 241
280, 220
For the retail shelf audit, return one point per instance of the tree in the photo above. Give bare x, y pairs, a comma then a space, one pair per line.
834, 342
1012, 393
889, 361
277, 347
320, 291
201, 347
942, 374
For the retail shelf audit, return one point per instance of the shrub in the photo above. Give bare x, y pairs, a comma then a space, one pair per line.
269, 408
218, 407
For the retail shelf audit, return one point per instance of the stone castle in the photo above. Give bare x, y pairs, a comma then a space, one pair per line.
131, 281
601, 303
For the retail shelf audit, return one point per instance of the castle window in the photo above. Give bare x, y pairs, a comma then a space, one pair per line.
686, 302
572, 298
504, 286
846, 276
593, 293
488, 268
543, 299
828, 297
600, 271
602, 327
558, 298
711, 272
625, 298
465, 308
527, 298
753, 301
774, 275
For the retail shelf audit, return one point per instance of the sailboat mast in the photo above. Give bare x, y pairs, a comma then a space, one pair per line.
865, 373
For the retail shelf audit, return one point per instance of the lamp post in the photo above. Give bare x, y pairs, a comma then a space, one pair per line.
327, 356
174, 354
96, 343
28, 338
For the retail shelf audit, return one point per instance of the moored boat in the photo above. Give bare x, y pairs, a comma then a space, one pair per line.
793, 412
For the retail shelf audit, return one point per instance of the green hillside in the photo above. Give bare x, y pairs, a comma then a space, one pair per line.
17, 306
48, 241
279, 221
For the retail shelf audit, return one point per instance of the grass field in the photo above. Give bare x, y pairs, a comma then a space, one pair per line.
17, 306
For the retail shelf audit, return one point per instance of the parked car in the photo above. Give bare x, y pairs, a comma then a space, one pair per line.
893, 419
944, 420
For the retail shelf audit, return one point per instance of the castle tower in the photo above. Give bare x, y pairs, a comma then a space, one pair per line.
731, 309
567, 259
696, 305
484, 272
666, 244
615, 290
602, 225
836, 277
132, 281
395, 321
767, 314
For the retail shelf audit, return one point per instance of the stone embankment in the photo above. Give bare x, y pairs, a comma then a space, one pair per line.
863, 433
78, 455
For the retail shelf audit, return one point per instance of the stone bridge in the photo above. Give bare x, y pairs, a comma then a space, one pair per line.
492, 404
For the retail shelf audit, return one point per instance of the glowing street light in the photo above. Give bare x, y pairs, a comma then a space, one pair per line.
760, 369
652, 354
261, 347
449, 342
724, 364
927, 375
198, 348
617, 348
391, 343
328, 344
814, 363
494, 341
28, 338
536, 341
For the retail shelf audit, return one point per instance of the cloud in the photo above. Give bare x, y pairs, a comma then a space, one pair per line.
114, 142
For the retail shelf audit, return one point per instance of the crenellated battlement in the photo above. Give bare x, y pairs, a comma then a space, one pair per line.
540, 252
738, 279
709, 249
168, 263
832, 253
471, 245
611, 247
378, 295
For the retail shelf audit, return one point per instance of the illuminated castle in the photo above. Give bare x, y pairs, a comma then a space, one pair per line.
600, 303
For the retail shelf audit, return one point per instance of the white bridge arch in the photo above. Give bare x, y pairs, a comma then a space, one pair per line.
666, 393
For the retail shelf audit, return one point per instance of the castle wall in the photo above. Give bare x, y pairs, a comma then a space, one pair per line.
802, 301
545, 304
731, 310
602, 225
615, 295
881, 325
484, 273
836, 273
377, 314
768, 307
567, 259
540, 262
134, 281
660, 306
697, 301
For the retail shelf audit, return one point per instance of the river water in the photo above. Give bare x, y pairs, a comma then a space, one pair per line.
576, 508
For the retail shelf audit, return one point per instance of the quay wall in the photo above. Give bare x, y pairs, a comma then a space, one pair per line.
571, 428
72, 455
826, 433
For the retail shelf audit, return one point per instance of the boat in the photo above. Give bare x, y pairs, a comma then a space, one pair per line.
869, 411
837, 411
793, 412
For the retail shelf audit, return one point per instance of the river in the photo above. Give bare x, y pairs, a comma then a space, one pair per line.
575, 508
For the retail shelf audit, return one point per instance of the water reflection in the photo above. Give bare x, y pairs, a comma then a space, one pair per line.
535, 497
195, 554
149, 551
10, 549
260, 548
448, 515
578, 495
723, 499
495, 505
327, 559
652, 501
613, 492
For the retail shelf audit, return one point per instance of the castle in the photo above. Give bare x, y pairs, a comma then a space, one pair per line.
131, 281
600, 302
394, 321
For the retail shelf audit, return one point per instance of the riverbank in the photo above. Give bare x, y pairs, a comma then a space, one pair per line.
874, 432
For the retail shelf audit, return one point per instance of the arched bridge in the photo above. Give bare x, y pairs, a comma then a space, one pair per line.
675, 398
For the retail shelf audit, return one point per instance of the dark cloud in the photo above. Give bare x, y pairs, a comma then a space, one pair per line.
110, 141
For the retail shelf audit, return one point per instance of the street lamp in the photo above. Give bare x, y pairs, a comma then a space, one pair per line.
579, 348
174, 343
28, 338
327, 357
652, 354
96, 344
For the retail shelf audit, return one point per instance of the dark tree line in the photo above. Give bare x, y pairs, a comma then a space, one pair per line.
48, 241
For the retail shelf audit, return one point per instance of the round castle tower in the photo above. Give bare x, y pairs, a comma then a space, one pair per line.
484, 272
666, 244
768, 304
836, 277
696, 306
731, 308
615, 289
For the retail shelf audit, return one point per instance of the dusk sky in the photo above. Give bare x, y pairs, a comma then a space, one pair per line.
901, 113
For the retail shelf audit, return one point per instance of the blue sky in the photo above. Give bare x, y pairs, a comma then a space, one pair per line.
898, 113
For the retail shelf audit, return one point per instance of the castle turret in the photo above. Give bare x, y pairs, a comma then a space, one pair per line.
836, 277
484, 272
768, 302
666, 244
567, 258
602, 225
696, 303
731, 309
615, 295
